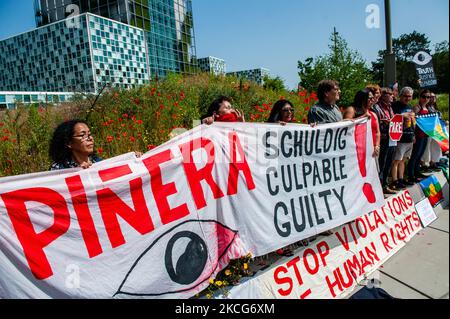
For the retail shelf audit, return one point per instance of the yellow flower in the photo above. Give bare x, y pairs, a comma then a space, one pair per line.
211, 281
245, 266
218, 283
209, 296
227, 272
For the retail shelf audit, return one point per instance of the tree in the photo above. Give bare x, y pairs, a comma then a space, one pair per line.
342, 64
404, 47
275, 84
440, 66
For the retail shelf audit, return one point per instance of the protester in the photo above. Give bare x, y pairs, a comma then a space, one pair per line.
384, 112
326, 110
361, 108
72, 145
433, 151
282, 112
405, 145
376, 92
421, 140
221, 110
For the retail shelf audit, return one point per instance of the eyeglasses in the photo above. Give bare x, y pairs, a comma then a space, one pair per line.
84, 137
426, 97
287, 110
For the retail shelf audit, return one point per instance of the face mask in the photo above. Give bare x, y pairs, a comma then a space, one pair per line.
229, 117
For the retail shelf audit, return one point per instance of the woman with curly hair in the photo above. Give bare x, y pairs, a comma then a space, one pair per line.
72, 145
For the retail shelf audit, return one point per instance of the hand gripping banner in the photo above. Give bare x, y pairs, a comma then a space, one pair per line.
162, 225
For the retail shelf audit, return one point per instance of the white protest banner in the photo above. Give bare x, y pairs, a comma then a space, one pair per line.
332, 267
161, 225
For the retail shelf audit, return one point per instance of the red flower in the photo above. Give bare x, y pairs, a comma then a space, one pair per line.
137, 101
150, 147
125, 115
307, 108
1, 124
175, 104
99, 150
182, 96
174, 116
139, 122
124, 134
161, 106
5, 138
109, 138
6, 131
132, 139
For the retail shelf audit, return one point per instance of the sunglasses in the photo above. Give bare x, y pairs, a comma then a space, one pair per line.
287, 110
426, 96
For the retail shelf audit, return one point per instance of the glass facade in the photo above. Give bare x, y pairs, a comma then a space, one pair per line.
49, 11
52, 58
168, 24
9, 100
59, 58
255, 75
212, 65
171, 37
119, 53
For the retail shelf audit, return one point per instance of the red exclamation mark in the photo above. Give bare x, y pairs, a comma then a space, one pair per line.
361, 153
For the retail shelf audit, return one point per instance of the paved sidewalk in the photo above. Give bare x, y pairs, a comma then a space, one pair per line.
420, 270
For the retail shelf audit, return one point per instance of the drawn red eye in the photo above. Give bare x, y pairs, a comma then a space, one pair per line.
180, 260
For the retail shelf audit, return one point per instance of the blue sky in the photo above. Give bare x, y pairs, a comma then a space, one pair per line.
277, 33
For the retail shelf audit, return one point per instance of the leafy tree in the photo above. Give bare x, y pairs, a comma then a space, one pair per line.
405, 47
440, 65
341, 64
275, 84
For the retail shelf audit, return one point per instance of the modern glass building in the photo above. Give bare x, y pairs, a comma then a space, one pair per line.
83, 54
255, 75
212, 65
9, 100
168, 25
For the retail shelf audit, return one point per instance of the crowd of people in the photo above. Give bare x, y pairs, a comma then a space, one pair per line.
72, 144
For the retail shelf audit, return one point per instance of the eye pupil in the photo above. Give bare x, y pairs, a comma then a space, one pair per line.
191, 263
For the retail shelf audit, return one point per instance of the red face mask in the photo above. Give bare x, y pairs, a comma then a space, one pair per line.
229, 117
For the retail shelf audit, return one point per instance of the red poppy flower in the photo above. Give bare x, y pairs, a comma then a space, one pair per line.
99, 150
109, 138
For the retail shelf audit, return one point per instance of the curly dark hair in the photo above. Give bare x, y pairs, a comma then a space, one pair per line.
58, 151
275, 114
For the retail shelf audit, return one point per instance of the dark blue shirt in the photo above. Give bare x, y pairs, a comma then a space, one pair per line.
70, 163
